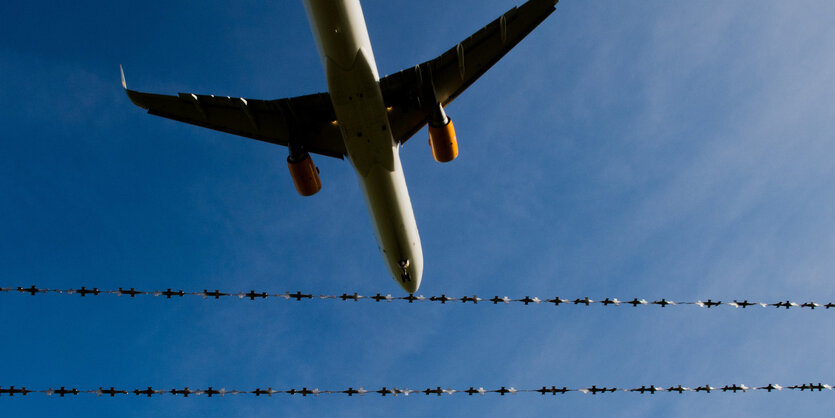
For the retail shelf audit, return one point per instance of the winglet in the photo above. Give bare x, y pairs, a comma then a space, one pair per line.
134, 96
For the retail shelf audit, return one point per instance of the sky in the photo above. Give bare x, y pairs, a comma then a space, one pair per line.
624, 149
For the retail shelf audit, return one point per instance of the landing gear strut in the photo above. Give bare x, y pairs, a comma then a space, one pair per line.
404, 276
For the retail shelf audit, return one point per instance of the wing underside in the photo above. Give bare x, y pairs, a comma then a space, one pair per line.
456, 69
310, 120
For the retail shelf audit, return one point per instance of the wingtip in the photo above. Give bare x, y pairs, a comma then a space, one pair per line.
134, 96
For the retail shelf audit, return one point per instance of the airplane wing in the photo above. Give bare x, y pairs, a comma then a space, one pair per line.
456, 69
307, 119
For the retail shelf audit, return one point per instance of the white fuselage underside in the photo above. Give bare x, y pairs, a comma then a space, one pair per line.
353, 83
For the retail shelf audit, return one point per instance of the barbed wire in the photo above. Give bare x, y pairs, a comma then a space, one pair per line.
386, 391
411, 298
394, 391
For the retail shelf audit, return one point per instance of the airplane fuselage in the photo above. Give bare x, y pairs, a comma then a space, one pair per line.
353, 84
359, 123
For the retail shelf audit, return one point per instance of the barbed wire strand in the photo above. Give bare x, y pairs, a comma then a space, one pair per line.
385, 391
299, 296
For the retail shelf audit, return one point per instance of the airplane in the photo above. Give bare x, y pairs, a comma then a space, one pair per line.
363, 117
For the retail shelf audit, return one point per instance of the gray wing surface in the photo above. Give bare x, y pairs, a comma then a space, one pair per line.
306, 119
456, 69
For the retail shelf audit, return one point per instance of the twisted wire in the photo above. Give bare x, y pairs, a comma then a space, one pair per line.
299, 296
386, 391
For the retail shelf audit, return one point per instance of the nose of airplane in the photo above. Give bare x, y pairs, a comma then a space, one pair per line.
410, 286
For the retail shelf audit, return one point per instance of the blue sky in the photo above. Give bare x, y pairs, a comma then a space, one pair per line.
650, 149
